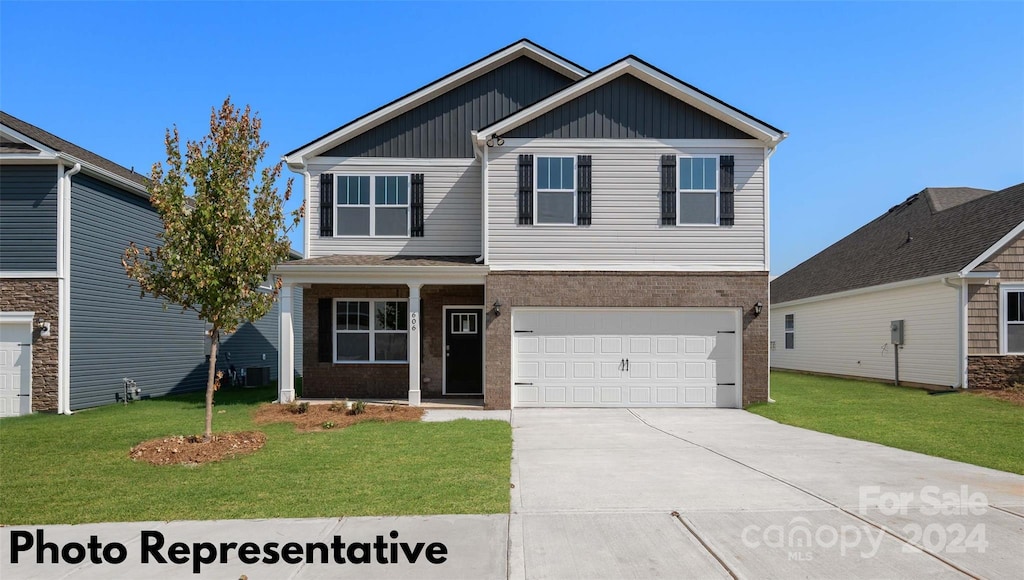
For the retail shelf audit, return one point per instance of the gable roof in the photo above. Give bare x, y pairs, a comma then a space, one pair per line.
97, 164
649, 74
523, 47
933, 232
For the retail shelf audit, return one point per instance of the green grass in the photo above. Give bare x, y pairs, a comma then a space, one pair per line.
963, 427
56, 469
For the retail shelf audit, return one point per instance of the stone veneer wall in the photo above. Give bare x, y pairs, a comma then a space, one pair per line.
37, 295
329, 380
994, 372
626, 289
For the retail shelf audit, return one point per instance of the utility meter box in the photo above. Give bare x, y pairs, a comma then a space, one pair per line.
896, 328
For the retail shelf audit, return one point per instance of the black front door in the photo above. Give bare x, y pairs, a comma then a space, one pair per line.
464, 351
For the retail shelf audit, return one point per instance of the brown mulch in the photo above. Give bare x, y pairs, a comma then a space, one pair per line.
1010, 395
191, 450
318, 414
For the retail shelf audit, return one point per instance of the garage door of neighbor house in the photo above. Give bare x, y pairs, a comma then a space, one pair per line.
626, 357
15, 368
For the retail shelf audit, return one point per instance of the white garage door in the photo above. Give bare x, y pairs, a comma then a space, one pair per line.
626, 358
15, 368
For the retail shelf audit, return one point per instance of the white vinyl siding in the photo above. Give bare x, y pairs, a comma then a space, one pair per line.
626, 232
451, 209
850, 335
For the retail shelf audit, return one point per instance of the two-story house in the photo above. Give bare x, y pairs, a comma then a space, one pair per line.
72, 326
537, 234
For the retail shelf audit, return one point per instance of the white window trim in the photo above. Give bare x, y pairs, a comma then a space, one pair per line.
787, 332
1004, 290
718, 191
574, 190
371, 332
373, 205
471, 316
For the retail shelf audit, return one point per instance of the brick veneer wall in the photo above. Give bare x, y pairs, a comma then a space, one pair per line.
37, 295
994, 372
329, 380
626, 289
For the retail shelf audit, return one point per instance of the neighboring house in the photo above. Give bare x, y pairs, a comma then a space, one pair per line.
948, 262
72, 326
536, 234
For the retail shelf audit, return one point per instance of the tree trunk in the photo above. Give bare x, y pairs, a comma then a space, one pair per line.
211, 378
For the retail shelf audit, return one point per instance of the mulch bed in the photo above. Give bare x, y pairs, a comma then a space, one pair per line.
1010, 395
318, 415
191, 450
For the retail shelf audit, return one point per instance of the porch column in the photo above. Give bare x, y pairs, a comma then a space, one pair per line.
286, 348
414, 345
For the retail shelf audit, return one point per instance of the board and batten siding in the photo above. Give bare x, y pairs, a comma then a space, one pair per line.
451, 209
115, 334
626, 231
850, 335
28, 217
247, 346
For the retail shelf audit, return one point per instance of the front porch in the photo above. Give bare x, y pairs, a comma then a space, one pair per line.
389, 329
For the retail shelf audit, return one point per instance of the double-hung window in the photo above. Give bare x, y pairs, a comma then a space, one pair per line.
1012, 318
373, 205
698, 191
371, 331
556, 190
790, 331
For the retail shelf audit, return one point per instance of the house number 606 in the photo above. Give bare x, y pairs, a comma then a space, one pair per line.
412, 320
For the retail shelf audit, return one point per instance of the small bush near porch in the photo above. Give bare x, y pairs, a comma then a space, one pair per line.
76, 469
965, 426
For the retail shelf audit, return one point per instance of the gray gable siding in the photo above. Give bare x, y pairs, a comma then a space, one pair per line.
114, 333
440, 128
626, 108
28, 217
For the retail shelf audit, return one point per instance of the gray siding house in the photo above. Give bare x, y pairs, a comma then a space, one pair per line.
72, 326
531, 233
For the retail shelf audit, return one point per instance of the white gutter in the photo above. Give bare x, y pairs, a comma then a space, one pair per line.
768, 152
960, 285
64, 290
104, 174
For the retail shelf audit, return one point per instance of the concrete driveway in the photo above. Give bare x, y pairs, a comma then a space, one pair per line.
617, 493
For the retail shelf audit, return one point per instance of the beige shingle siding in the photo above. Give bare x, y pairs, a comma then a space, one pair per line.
626, 215
983, 310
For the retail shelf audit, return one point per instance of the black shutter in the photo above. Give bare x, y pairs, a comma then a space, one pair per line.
525, 189
583, 196
325, 336
668, 190
726, 189
326, 205
416, 206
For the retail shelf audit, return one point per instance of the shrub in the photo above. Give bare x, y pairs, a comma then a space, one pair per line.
298, 408
358, 408
338, 406
328, 425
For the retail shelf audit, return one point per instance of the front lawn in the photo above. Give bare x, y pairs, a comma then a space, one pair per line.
56, 469
963, 426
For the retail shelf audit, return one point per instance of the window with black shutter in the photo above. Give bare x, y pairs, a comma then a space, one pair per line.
416, 228
525, 191
583, 196
726, 190
668, 190
326, 205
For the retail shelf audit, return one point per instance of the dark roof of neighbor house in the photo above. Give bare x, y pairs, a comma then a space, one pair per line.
56, 143
933, 232
355, 260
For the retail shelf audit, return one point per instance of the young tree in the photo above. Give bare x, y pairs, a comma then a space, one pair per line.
223, 230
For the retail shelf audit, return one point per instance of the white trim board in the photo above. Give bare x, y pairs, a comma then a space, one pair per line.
12, 274
482, 328
866, 290
1009, 237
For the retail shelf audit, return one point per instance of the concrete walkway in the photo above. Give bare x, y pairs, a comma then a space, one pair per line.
605, 493
665, 493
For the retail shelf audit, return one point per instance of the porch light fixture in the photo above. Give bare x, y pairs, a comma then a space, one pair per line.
497, 308
757, 309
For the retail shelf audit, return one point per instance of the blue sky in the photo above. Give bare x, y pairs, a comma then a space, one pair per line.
880, 99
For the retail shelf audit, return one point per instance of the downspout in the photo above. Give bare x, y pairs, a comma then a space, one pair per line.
960, 285
768, 152
64, 296
481, 153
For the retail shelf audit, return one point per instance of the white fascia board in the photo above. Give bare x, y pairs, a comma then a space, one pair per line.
27, 159
12, 274
43, 149
546, 143
654, 78
433, 90
381, 275
981, 275
867, 290
647, 267
104, 175
1009, 237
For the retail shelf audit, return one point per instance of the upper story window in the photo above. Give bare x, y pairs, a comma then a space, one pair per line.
790, 331
698, 191
1012, 329
556, 190
372, 205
